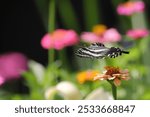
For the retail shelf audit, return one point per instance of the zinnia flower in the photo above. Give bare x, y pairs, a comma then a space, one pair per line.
11, 66
90, 37
111, 35
84, 76
59, 39
138, 33
99, 29
130, 7
101, 34
65, 89
113, 74
1, 80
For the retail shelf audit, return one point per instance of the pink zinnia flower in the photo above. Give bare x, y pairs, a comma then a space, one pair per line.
111, 35
1, 80
137, 33
59, 39
11, 66
90, 37
130, 7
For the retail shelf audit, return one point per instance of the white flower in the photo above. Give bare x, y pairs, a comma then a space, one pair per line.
50, 93
99, 94
65, 89
68, 90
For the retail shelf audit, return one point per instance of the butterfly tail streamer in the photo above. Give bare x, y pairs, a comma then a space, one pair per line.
125, 52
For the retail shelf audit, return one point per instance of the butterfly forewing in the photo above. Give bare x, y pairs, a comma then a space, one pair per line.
96, 50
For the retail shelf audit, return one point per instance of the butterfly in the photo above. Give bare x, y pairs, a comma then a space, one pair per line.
98, 50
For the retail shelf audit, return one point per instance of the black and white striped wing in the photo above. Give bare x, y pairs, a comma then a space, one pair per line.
96, 50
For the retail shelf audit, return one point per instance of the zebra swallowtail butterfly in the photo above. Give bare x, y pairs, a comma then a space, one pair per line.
98, 50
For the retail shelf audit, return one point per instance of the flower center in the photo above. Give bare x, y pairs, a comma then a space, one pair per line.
112, 70
58, 34
99, 29
129, 4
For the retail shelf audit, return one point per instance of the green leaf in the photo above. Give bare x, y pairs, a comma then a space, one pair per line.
31, 80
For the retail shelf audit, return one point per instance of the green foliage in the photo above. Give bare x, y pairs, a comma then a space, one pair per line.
39, 78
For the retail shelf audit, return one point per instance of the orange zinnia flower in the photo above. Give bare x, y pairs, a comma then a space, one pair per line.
84, 76
99, 29
115, 74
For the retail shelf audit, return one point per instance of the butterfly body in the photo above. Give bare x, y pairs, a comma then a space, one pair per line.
98, 50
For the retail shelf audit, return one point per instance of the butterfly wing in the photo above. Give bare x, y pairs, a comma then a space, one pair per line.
114, 52
98, 50
95, 50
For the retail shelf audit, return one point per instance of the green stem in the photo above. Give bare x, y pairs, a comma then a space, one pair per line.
91, 13
51, 54
68, 15
63, 58
42, 6
51, 16
114, 91
51, 27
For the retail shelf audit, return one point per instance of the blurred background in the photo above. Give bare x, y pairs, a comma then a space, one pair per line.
27, 70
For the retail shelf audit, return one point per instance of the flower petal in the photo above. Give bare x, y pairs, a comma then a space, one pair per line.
102, 77
46, 42
111, 35
90, 37
68, 90
111, 78
99, 94
59, 39
137, 33
1, 80
12, 65
118, 75
117, 82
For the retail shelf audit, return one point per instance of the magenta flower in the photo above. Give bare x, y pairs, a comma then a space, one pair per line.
11, 66
59, 39
1, 80
137, 33
130, 7
90, 37
109, 36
